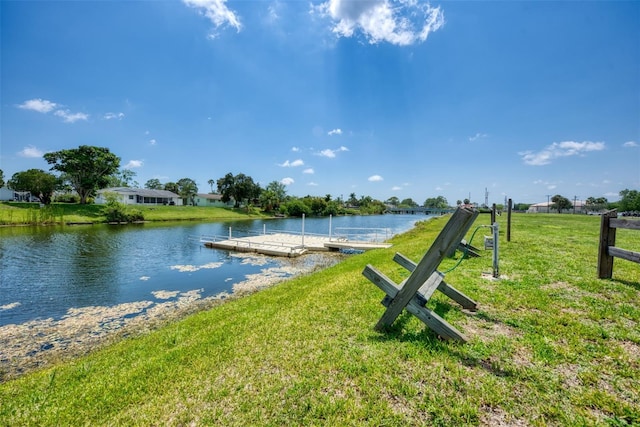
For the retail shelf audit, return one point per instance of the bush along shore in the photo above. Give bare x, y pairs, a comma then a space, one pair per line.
549, 345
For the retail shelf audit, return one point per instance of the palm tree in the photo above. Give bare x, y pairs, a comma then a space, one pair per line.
211, 182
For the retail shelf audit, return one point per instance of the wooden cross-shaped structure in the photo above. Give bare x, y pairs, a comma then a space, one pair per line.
414, 292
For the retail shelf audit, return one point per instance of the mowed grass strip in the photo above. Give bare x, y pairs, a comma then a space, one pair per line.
550, 345
15, 213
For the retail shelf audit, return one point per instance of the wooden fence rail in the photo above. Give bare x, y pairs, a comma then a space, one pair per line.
610, 222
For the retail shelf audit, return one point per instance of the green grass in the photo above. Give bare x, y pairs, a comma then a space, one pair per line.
62, 213
550, 345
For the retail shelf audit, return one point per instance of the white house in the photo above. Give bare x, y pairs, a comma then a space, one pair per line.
139, 196
9, 195
547, 207
214, 200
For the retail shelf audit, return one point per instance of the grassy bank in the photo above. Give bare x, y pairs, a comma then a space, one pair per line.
62, 213
550, 345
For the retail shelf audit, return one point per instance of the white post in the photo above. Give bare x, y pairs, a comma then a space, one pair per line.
303, 230
330, 216
264, 229
496, 269
229, 233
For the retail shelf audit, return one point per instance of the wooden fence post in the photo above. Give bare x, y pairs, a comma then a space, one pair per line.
509, 220
607, 238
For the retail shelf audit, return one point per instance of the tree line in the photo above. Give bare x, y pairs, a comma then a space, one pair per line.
87, 169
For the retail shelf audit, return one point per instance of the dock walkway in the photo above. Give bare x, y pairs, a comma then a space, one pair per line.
289, 245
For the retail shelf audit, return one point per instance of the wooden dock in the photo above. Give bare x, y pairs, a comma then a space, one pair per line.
288, 245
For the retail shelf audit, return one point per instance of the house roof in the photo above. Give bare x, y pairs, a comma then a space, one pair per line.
144, 192
578, 203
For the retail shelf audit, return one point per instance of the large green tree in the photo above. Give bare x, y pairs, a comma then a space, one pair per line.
87, 168
37, 182
560, 203
153, 184
1, 178
629, 200
596, 203
272, 196
436, 202
173, 187
240, 187
187, 189
123, 178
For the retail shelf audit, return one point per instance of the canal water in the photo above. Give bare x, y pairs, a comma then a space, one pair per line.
48, 272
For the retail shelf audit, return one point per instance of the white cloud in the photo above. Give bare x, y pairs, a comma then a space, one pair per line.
630, 144
335, 132
546, 184
287, 181
560, 149
44, 106
295, 149
153, 142
133, 164
375, 178
396, 188
331, 153
477, 136
70, 117
313, 184
399, 22
309, 171
295, 163
217, 12
31, 152
111, 116
327, 153
39, 105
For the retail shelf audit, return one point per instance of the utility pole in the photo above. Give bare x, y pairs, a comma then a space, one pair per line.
548, 195
486, 197
574, 204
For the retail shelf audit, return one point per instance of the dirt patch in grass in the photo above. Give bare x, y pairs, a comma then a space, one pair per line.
497, 417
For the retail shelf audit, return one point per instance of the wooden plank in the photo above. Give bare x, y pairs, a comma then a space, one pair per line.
458, 296
631, 224
624, 254
430, 286
450, 235
443, 287
415, 306
607, 238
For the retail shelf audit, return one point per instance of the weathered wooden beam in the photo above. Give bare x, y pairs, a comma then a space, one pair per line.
443, 287
450, 235
624, 254
607, 239
631, 224
416, 305
468, 249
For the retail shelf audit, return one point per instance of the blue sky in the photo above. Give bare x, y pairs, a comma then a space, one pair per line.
380, 98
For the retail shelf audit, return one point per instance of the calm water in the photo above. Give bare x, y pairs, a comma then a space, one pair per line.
45, 271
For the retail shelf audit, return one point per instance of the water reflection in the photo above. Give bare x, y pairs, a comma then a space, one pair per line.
45, 271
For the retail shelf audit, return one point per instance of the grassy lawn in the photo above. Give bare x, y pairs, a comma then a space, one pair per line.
61, 213
550, 345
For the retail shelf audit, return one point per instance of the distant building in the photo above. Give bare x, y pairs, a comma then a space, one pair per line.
213, 200
139, 196
9, 195
578, 207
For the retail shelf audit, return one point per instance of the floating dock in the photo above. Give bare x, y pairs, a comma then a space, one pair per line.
288, 245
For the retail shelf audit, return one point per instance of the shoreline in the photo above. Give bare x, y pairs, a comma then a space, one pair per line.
41, 343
